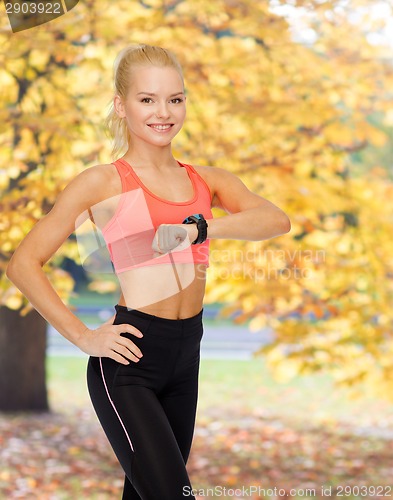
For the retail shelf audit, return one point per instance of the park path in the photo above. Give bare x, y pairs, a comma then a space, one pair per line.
219, 341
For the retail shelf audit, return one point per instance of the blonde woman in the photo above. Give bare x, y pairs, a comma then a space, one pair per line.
154, 214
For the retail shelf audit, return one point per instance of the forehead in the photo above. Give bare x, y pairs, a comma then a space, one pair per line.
155, 79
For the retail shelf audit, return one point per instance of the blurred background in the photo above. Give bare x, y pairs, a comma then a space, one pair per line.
296, 98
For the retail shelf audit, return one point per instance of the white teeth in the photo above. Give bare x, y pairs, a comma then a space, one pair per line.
161, 127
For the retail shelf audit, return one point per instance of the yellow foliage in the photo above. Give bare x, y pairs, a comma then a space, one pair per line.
282, 115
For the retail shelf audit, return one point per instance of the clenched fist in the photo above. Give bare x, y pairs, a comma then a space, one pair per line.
174, 237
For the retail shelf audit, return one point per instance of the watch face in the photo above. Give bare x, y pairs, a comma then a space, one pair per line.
193, 218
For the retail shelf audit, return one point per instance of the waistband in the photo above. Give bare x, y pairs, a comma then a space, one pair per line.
136, 313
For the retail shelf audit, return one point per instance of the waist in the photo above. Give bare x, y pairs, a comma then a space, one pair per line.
162, 292
172, 326
166, 291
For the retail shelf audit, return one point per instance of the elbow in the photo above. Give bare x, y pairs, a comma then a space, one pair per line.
11, 269
17, 267
285, 224
10, 274
282, 223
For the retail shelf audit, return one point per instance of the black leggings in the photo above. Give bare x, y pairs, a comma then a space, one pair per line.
147, 408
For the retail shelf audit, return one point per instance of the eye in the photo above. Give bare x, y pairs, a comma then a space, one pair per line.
147, 100
177, 100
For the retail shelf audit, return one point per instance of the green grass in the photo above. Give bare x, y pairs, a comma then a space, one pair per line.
236, 385
231, 387
66, 375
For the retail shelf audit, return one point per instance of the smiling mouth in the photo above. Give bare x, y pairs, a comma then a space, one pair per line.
161, 127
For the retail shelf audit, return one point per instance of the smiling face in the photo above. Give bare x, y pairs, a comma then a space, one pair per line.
155, 107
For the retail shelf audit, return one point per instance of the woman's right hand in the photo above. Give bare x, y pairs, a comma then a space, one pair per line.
106, 341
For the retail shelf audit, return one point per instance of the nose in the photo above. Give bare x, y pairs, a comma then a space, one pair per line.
162, 110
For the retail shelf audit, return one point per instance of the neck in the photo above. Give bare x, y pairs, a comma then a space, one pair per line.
150, 156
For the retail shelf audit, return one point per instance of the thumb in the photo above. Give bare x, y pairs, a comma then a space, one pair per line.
182, 240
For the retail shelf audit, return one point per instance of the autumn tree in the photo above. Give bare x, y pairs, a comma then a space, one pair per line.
283, 114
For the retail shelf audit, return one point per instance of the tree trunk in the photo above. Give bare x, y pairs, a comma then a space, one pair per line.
22, 361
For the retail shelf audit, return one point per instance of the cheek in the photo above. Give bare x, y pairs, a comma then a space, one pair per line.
135, 115
181, 113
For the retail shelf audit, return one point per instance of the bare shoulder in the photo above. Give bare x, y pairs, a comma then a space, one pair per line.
70, 210
213, 174
102, 177
93, 184
219, 180
88, 188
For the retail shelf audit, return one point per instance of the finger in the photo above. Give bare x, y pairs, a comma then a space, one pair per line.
154, 244
129, 349
129, 329
158, 243
174, 237
127, 344
160, 239
165, 239
181, 246
180, 233
118, 358
185, 241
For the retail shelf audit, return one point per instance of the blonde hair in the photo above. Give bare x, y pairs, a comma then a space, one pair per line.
124, 66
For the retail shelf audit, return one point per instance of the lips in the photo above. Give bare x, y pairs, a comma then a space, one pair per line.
160, 127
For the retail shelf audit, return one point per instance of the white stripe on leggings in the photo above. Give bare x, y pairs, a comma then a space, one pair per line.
113, 404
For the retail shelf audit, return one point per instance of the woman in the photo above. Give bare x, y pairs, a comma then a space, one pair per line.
155, 216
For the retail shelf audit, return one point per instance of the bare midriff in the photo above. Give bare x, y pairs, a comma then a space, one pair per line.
163, 290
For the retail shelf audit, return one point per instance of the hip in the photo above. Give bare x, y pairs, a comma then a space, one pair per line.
170, 348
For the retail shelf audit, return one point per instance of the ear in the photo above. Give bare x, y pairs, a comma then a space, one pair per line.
119, 106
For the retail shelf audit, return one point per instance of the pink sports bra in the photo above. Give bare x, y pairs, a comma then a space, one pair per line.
129, 233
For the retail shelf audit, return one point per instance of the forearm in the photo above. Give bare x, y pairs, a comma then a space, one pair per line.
31, 280
254, 224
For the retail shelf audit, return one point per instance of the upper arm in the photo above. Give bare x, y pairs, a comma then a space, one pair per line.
69, 211
230, 193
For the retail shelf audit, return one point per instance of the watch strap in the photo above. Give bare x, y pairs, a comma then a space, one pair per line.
202, 226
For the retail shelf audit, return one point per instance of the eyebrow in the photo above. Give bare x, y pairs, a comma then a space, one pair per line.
152, 94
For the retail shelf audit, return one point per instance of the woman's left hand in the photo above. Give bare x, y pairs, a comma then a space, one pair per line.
174, 237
